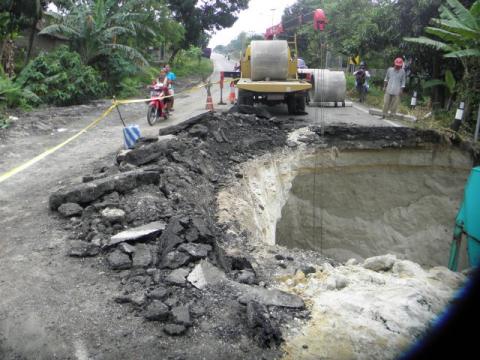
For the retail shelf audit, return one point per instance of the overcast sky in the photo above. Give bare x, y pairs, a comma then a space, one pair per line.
257, 18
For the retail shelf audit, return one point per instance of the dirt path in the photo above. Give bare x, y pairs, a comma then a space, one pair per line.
53, 306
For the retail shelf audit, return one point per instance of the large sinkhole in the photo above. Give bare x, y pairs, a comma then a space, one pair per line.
362, 203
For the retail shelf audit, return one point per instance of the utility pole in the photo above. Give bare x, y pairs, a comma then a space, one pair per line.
273, 14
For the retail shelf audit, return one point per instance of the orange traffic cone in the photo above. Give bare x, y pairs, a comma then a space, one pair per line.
209, 105
231, 96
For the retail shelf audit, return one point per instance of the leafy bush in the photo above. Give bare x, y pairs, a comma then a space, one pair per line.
114, 69
60, 78
13, 95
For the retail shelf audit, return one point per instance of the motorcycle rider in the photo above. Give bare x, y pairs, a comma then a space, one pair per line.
170, 78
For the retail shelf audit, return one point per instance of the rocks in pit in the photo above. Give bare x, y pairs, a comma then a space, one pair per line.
158, 293
181, 315
246, 277
142, 256
137, 299
78, 248
198, 130
269, 297
380, 263
174, 260
113, 215
181, 229
178, 277
156, 311
118, 260
232, 259
336, 282
205, 274
174, 330
127, 248
70, 209
85, 193
263, 329
196, 251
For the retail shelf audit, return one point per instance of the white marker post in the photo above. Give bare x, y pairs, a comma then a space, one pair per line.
413, 102
458, 117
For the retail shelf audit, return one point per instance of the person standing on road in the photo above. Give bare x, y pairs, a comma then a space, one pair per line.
361, 81
393, 86
169, 81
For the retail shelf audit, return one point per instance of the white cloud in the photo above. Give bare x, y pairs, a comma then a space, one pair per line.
257, 18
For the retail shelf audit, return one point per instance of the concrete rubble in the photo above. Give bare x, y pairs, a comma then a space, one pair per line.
155, 221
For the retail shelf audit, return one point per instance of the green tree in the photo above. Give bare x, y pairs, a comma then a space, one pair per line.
98, 28
16, 15
200, 17
456, 34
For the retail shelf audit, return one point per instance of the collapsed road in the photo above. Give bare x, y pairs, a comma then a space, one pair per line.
173, 247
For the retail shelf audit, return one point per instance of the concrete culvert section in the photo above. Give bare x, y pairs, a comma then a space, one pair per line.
361, 203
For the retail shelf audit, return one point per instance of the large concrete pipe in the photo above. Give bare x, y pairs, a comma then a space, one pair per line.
269, 60
327, 86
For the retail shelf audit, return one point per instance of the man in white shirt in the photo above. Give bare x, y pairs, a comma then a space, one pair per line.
393, 86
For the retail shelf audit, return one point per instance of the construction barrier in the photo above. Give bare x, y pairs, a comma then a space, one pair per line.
131, 134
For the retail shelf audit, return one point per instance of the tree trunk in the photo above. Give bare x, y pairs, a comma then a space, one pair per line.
31, 39
2, 51
174, 53
436, 98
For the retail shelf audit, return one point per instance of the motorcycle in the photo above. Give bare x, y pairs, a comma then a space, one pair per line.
156, 106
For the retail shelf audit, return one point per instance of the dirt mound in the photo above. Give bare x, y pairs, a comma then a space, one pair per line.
151, 218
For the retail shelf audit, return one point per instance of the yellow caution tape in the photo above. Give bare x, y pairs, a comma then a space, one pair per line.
43, 155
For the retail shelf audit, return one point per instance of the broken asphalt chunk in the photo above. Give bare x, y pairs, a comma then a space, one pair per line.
196, 251
205, 274
174, 329
181, 315
80, 248
85, 193
156, 310
137, 233
70, 209
178, 277
269, 297
147, 152
119, 260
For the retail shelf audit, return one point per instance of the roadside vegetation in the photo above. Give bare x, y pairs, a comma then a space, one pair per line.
110, 48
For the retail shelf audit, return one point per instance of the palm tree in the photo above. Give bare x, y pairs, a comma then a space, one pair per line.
456, 33
97, 29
